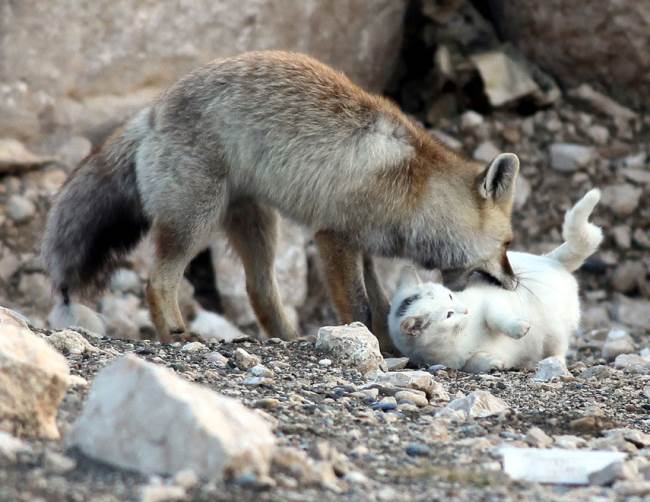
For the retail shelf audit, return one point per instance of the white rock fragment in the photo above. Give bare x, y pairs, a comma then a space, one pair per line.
11, 447
633, 363
549, 369
477, 404
259, 370
326, 363
417, 379
57, 463
486, 152
218, 359
554, 465
71, 342
615, 471
537, 438
143, 417
569, 442
504, 79
569, 157
193, 347
617, 342
76, 315
352, 344
396, 363
471, 119
20, 209
211, 326
622, 199
33, 380
244, 360
162, 493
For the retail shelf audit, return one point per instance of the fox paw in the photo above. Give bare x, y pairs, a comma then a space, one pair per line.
518, 329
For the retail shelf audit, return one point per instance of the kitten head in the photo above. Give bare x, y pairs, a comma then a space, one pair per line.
424, 308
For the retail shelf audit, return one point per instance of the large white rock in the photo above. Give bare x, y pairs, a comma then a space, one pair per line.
96, 61
554, 465
550, 368
290, 269
33, 380
352, 344
143, 417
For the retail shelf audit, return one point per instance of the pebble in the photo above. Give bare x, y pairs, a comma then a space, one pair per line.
352, 344
218, 359
477, 404
194, 347
11, 447
396, 363
20, 209
257, 380
415, 397
244, 360
633, 363
622, 199
417, 450
385, 404
471, 119
486, 152
617, 342
549, 369
537, 438
569, 157
628, 275
267, 403
325, 362
259, 370
57, 463
162, 493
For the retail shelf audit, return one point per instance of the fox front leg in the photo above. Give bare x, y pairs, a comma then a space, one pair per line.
343, 269
379, 305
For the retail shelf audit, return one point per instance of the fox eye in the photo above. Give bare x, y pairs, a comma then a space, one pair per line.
449, 314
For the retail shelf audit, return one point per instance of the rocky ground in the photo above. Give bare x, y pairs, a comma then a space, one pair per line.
362, 443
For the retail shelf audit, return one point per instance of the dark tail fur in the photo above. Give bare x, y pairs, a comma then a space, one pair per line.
97, 217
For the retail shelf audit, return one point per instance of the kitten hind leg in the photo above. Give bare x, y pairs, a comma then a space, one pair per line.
483, 362
499, 318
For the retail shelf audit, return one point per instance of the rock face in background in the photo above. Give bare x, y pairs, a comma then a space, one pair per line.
598, 41
94, 62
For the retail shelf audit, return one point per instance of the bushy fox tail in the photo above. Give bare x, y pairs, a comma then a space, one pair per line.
97, 217
581, 237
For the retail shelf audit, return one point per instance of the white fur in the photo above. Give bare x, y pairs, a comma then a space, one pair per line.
502, 329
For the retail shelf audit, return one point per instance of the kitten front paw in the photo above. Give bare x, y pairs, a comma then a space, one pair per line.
518, 329
483, 362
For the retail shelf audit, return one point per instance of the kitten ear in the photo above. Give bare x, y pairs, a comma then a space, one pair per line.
498, 180
415, 325
408, 277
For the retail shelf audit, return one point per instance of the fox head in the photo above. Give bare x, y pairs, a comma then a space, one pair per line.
467, 227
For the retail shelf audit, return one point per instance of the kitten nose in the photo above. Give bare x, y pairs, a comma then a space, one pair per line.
465, 311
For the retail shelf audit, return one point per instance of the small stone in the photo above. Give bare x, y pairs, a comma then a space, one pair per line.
11, 447
522, 192
244, 360
193, 347
478, 404
618, 342
396, 363
214, 327
622, 199
638, 176
20, 209
628, 275
267, 403
420, 380
73, 151
415, 397
356, 477
599, 134
256, 380
186, 478
622, 236
59, 464
615, 471
550, 368
632, 312
569, 157
218, 359
537, 438
162, 493
417, 450
386, 404
325, 363
352, 344
259, 370
471, 119
486, 152
126, 281
632, 488
76, 315
71, 342
633, 363
569, 442
215, 436
636, 161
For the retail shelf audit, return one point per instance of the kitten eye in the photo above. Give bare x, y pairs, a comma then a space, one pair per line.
450, 313
450, 296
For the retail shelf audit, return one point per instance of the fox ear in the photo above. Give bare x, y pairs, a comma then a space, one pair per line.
498, 180
415, 325
408, 277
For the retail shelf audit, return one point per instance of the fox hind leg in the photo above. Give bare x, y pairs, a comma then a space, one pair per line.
252, 232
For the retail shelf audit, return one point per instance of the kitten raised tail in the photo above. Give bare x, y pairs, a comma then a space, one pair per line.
581, 237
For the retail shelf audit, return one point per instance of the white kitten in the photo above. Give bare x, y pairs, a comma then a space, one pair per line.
485, 327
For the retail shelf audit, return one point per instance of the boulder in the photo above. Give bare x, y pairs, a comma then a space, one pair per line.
609, 47
33, 380
96, 62
143, 417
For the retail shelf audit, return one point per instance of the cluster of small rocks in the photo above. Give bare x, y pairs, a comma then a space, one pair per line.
305, 419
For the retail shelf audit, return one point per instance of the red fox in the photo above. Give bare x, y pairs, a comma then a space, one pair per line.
240, 139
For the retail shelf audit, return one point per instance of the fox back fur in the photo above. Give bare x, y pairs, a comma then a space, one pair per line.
240, 138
